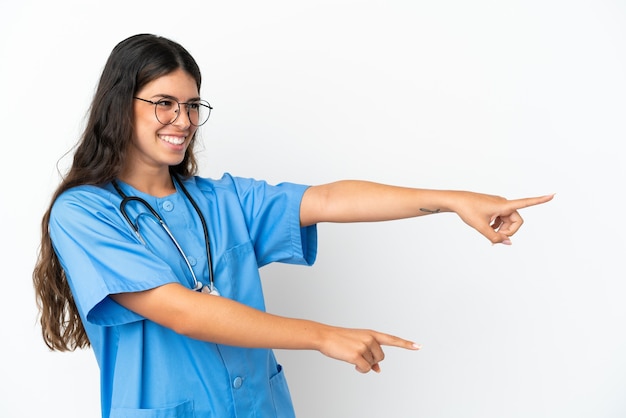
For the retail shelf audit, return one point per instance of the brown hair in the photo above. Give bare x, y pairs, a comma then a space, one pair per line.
98, 157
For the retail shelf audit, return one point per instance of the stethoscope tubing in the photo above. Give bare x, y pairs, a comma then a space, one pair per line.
127, 199
205, 230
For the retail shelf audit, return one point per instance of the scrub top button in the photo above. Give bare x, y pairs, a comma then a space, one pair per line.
192, 260
237, 382
168, 205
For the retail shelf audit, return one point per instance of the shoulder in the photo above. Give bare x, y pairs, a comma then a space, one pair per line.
86, 195
226, 186
241, 185
250, 194
225, 183
85, 199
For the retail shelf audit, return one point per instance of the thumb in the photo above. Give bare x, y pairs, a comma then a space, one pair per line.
496, 231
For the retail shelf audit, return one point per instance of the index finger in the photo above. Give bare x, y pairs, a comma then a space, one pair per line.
530, 201
392, 340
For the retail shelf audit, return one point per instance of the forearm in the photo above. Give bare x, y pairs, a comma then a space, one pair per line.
233, 323
362, 201
221, 320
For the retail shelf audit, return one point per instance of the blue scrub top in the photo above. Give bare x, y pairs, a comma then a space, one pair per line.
148, 370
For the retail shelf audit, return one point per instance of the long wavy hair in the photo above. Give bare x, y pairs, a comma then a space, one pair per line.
98, 158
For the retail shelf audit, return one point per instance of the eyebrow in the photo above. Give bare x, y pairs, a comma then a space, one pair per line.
167, 96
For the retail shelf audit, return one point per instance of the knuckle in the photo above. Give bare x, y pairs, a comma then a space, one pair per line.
356, 358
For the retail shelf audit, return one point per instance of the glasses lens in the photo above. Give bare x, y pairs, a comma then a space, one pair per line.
166, 111
199, 112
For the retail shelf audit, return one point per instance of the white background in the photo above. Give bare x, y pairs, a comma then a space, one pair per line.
516, 98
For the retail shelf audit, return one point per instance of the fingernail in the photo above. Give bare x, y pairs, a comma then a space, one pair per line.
506, 242
417, 346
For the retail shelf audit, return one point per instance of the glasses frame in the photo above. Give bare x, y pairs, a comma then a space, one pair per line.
199, 102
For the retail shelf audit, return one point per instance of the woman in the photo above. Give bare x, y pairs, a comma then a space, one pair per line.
156, 268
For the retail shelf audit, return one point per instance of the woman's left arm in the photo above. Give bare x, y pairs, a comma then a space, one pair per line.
494, 217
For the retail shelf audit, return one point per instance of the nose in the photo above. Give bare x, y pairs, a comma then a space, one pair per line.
182, 120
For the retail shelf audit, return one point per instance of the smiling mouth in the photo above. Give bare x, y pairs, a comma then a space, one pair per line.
174, 140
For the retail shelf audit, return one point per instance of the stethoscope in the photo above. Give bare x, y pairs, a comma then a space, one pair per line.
198, 285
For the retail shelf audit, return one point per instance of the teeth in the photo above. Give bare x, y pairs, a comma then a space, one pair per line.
176, 140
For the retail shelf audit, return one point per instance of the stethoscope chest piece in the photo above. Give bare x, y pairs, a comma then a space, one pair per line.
210, 290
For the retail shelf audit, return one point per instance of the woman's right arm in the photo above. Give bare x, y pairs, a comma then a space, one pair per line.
224, 321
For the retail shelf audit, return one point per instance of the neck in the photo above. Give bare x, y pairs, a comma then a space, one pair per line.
155, 184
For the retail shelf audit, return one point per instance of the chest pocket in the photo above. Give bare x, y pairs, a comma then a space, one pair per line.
237, 276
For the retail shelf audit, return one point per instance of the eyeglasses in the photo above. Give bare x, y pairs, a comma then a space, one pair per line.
168, 110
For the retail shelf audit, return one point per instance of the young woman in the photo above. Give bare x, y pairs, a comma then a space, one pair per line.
156, 268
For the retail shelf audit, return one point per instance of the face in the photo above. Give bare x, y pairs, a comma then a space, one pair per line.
155, 146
